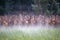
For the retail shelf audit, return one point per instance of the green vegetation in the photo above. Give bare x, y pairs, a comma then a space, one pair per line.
50, 34
49, 7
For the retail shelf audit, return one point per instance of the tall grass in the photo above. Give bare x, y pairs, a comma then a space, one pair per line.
49, 34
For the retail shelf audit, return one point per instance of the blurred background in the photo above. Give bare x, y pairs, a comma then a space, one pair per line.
29, 19
46, 7
36, 10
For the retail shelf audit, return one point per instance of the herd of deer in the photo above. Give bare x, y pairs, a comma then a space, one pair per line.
28, 20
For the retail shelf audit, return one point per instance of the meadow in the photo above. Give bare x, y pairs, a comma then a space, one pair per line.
41, 34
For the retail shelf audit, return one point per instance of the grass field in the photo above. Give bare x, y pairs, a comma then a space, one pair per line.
42, 34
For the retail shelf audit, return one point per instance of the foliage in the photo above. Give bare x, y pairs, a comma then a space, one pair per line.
48, 7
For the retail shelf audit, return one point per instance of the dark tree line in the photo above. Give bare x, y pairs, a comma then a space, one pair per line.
2, 7
7, 6
14, 5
